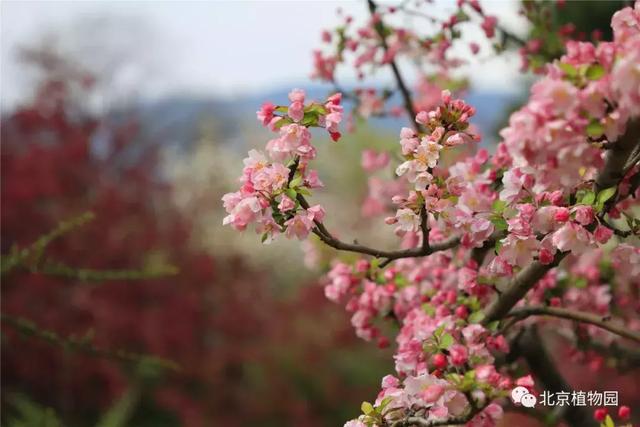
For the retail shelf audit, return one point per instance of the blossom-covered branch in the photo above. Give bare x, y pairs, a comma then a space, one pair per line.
525, 231
609, 177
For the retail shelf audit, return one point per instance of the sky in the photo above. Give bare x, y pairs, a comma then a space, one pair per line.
213, 48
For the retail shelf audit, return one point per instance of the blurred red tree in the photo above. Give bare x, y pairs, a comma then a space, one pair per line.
229, 335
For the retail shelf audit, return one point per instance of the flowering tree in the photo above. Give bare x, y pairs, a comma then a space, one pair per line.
539, 236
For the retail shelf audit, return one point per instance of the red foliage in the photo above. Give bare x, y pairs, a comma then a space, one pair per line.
58, 162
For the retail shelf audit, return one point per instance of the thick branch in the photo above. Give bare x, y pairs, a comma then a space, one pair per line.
610, 176
531, 347
518, 287
406, 95
617, 157
578, 316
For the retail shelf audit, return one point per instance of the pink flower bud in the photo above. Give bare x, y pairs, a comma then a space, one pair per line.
432, 393
458, 354
624, 412
556, 198
561, 215
584, 215
383, 342
600, 414
545, 256
462, 312
439, 361
422, 118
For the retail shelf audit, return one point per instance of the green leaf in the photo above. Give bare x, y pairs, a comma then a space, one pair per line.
446, 341
295, 182
588, 198
304, 191
580, 283
493, 326
428, 309
119, 415
282, 122
310, 119
594, 72
499, 223
315, 108
367, 408
291, 193
384, 403
498, 206
568, 69
476, 317
595, 129
608, 422
605, 195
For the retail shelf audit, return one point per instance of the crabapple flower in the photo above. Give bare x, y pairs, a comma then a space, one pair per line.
536, 202
372, 161
270, 189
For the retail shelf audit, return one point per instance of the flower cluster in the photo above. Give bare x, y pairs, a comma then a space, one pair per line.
446, 126
546, 202
272, 186
444, 359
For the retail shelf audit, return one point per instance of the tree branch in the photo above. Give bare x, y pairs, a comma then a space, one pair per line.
518, 288
406, 95
424, 227
531, 347
578, 316
423, 422
83, 345
321, 231
610, 176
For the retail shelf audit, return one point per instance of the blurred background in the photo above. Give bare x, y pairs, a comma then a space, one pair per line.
141, 113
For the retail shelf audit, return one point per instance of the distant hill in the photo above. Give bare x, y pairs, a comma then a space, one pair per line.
176, 120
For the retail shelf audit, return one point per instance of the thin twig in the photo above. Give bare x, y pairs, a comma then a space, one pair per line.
564, 313
82, 345
406, 95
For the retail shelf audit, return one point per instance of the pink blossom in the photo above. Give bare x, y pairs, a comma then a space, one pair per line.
286, 204
458, 354
584, 214
571, 237
545, 256
299, 226
372, 161
296, 108
316, 213
243, 213
526, 381
489, 25
602, 234
518, 250
312, 180
265, 114
389, 381
561, 215
407, 220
